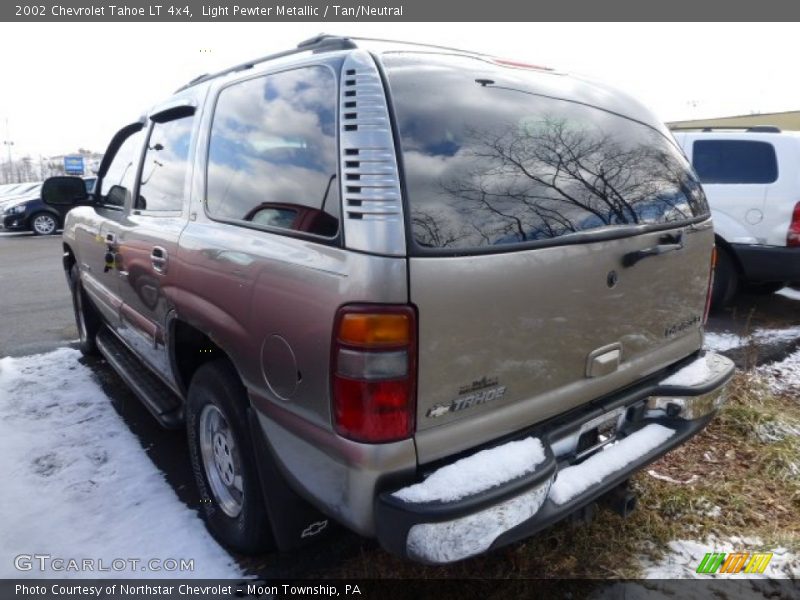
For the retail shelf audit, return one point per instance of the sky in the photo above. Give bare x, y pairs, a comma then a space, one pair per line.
66, 86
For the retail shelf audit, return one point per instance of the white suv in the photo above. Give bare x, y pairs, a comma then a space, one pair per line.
752, 180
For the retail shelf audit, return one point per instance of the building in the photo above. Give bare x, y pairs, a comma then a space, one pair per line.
786, 121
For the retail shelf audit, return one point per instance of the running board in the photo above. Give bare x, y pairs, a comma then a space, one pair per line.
162, 402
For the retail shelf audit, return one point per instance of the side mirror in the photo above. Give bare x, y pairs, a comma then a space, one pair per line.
64, 191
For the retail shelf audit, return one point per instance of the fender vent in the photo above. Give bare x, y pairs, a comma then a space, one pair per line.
370, 183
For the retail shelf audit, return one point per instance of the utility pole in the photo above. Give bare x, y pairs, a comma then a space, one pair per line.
8, 143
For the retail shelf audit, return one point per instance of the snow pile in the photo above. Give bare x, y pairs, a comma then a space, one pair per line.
783, 376
77, 484
477, 473
694, 373
573, 481
685, 556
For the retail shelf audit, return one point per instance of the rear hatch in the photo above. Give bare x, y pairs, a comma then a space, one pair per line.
559, 251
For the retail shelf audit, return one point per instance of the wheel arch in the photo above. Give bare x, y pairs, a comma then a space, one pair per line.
189, 348
723, 245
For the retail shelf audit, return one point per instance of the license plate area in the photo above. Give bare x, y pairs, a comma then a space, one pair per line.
599, 432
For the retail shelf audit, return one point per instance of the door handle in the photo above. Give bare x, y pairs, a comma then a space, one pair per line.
158, 258
667, 243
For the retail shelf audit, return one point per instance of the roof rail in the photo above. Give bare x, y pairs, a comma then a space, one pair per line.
320, 43
747, 128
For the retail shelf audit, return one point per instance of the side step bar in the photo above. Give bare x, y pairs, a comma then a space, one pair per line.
162, 402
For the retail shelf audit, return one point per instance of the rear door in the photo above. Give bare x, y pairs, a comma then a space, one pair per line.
559, 252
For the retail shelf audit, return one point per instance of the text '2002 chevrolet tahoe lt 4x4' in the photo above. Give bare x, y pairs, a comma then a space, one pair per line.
441, 298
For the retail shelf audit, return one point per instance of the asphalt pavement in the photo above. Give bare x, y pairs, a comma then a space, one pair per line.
35, 306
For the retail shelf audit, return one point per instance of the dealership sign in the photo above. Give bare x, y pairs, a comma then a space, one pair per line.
73, 165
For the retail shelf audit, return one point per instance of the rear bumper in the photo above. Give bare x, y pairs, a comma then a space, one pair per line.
764, 264
652, 420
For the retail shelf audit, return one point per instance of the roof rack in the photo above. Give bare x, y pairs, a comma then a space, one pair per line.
748, 128
320, 43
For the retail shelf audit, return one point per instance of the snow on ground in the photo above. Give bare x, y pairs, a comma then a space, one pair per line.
790, 293
77, 484
723, 341
783, 376
720, 342
684, 557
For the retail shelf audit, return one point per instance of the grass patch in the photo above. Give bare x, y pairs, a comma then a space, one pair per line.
739, 477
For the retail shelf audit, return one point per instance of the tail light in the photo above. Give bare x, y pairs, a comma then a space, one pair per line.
710, 284
374, 372
793, 236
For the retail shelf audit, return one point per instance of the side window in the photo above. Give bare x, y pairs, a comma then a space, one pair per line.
272, 159
165, 166
735, 161
117, 184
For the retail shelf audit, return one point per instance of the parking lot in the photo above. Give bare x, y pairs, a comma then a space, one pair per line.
758, 331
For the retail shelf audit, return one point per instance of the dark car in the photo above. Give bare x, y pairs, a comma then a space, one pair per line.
28, 212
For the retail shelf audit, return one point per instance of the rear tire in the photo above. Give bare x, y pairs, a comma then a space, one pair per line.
43, 223
86, 318
726, 280
223, 460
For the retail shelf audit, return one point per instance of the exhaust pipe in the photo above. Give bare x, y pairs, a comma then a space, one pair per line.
621, 500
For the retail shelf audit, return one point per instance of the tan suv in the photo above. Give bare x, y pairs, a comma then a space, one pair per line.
441, 298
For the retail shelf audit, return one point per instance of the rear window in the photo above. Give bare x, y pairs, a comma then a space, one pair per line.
734, 161
489, 162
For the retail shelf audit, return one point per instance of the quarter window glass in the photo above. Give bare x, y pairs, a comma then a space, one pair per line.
118, 182
272, 159
490, 161
165, 166
735, 161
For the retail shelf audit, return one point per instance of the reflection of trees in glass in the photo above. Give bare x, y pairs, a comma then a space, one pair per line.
552, 177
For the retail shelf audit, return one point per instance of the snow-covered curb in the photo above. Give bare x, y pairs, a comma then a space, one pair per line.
76, 483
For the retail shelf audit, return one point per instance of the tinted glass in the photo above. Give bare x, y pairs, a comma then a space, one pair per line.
488, 162
165, 166
735, 161
117, 184
273, 158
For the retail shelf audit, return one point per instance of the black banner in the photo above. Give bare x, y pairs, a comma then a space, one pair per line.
387, 589
396, 10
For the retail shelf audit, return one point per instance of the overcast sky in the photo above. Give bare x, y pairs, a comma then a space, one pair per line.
68, 86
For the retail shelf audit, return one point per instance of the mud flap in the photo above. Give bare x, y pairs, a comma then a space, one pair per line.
294, 521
